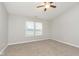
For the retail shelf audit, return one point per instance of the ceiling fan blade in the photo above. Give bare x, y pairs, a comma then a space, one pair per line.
53, 6
45, 9
40, 6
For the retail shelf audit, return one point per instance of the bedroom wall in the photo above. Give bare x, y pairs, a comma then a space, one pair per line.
3, 27
65, 28
16, 33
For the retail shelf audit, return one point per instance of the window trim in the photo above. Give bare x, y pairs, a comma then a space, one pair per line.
34, 29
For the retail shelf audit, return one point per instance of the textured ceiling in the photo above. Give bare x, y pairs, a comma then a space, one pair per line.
29, 9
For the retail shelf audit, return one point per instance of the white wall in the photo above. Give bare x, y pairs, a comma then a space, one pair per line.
65, 28
3, 27
16, 29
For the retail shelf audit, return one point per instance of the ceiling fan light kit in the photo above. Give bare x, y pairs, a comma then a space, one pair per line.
47, 5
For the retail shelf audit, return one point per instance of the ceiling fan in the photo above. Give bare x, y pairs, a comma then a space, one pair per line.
47, 5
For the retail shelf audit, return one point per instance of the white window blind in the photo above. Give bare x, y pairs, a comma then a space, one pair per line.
33, 28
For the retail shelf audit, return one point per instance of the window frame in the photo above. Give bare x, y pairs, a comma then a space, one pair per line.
34, 30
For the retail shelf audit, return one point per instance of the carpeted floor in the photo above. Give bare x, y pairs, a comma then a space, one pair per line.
42, 48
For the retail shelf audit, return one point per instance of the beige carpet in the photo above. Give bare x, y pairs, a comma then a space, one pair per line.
42, 48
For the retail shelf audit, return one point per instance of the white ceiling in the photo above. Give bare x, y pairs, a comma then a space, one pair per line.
29, 9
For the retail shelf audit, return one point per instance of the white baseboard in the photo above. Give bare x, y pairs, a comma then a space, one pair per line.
67, 43
2, 51
27, 41
46, 39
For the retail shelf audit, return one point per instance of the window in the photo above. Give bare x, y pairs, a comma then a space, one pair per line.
38, 28
33, 28
29, 31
